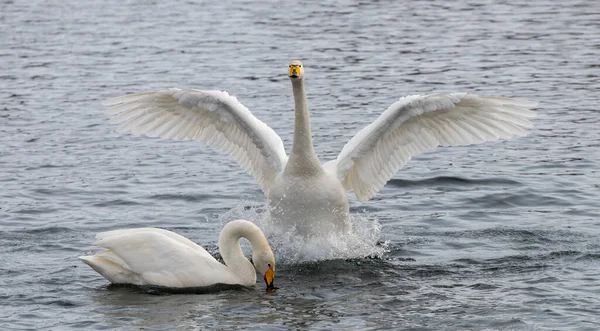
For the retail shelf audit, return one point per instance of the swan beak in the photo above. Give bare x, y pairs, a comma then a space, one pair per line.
269, 276
294, 71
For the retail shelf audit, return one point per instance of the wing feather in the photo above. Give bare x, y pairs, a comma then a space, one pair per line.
416, 124
211, 117
161, 257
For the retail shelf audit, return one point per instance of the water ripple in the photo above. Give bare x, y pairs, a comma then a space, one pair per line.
500, 236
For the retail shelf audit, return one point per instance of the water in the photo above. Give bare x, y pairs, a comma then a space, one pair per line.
500, 236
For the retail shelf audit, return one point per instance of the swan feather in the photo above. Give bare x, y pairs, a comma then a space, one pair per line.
161, 259
213, 117
416, 124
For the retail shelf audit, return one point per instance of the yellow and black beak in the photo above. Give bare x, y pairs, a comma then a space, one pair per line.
295, 70
269, 276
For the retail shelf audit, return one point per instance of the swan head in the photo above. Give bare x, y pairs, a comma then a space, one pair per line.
264, 262
296, 70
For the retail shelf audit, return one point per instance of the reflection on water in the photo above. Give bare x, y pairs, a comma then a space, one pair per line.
135, 306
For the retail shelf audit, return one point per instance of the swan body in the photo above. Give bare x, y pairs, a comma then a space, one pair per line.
304, 194
150, 256
310, 205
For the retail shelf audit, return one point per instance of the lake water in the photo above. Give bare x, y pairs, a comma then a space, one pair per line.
499, 236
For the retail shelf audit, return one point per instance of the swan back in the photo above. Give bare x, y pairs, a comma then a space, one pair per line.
157, 257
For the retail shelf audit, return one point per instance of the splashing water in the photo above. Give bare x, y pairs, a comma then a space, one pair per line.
289, 248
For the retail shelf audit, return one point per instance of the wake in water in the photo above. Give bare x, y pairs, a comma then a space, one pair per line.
362, 241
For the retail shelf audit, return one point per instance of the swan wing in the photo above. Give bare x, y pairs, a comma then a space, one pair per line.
162, 258
212, 117
416, 124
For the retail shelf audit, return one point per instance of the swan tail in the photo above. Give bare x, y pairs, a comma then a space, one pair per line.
112, 271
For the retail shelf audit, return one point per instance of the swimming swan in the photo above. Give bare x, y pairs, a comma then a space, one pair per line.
304, 194
150, 256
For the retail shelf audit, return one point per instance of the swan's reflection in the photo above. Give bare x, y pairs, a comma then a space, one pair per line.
148, 308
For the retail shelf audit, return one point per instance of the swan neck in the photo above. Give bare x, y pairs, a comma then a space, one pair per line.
303, 154
231, 251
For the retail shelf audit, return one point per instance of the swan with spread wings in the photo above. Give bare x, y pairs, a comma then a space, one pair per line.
304, 194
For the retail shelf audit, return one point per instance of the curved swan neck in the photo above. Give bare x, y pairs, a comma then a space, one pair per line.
303, 154
231, 251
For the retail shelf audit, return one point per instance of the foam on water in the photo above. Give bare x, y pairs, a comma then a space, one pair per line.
289, 248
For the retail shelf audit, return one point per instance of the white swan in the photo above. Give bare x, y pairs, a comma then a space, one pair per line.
303, 194
150, 256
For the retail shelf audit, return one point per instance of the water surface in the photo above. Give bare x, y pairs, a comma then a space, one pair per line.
500, 236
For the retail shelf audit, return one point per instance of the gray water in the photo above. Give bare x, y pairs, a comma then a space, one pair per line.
499, 236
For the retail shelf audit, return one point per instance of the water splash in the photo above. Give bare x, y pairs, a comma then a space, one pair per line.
289, 248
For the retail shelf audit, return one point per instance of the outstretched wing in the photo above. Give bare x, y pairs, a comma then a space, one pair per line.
212, 117
416, 124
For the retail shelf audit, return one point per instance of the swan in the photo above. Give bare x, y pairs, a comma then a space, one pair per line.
304, 195
150, 256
